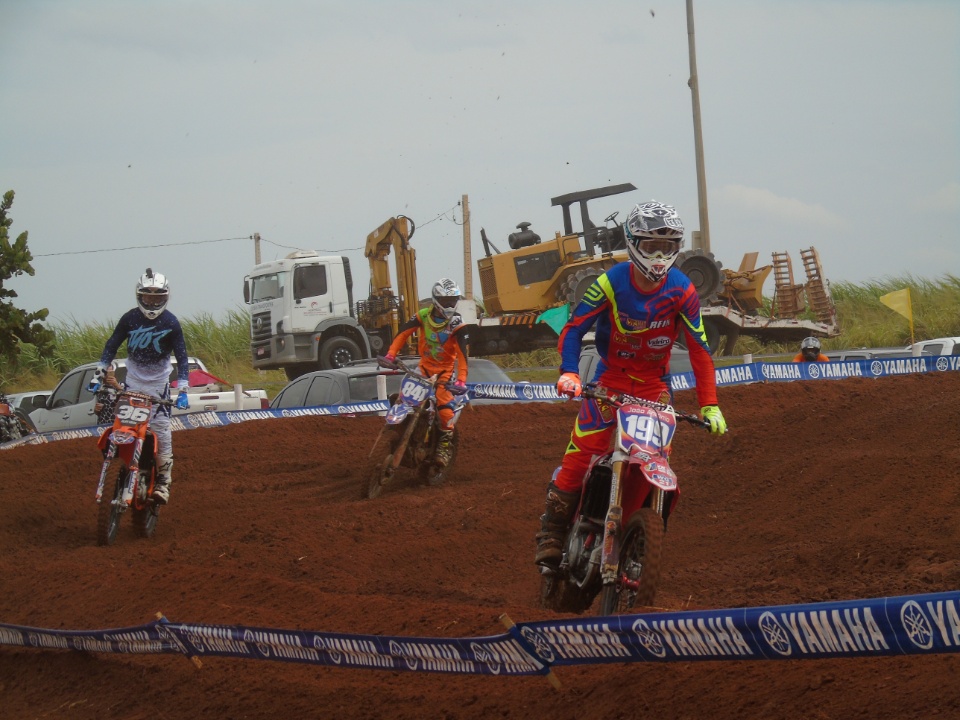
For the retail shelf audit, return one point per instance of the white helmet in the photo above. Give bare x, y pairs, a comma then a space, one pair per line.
654, 234
446, 295
810, 348
153, 293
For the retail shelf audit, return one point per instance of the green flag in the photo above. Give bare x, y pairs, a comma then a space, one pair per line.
556, 317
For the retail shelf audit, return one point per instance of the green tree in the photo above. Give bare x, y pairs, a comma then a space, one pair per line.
16, 325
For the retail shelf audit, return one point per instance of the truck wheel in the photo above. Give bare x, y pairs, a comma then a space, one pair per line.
704, 271
337, 352
573, 287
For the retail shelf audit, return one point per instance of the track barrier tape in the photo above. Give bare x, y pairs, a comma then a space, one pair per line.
926, 624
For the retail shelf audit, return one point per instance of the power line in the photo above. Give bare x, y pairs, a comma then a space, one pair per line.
246, 237
141, 247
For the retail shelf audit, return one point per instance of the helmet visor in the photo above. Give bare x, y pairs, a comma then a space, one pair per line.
448, 302
152, 300
656, 246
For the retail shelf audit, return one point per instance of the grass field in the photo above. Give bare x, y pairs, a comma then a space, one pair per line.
223, 343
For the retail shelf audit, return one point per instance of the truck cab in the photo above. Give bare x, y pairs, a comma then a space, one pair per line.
301, 314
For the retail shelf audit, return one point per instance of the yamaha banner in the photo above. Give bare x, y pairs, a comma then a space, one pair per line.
907, 625
541, 392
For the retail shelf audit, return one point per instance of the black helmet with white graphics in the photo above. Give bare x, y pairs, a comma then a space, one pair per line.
153, 293
446, 295
654, 234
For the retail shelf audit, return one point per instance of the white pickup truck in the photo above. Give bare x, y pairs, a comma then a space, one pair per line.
937, 346
71, 405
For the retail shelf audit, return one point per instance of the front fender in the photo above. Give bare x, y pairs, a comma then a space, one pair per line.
398, 413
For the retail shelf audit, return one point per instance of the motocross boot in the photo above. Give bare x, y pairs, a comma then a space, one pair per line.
444, 448
558, 512
161, 490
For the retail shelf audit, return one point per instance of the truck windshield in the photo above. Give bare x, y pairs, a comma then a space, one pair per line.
267, 287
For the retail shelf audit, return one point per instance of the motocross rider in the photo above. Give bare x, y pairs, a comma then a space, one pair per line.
639, 308
152, 333
810, 351
441, 344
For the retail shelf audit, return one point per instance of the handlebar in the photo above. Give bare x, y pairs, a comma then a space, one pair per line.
398, 364
612, 397
152, 398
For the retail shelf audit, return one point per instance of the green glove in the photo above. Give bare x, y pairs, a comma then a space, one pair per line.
712, 414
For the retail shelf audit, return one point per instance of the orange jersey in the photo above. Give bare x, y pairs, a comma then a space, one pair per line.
440, 346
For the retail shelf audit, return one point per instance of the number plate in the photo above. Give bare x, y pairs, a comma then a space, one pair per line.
415, 389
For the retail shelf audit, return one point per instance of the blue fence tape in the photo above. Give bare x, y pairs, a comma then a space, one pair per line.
540, 392
906, 625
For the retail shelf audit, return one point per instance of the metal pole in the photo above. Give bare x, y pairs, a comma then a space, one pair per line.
256, 248
701, 240
467, 261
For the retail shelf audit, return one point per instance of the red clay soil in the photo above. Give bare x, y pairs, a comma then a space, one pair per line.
828, 490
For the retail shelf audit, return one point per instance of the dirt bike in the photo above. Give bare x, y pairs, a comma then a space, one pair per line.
132, 442
601, 553
13, 423
409, 436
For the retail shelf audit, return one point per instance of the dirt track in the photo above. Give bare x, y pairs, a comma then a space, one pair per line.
831, 490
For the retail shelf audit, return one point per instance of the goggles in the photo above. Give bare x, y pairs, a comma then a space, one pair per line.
448, 302
152, 299
653, 246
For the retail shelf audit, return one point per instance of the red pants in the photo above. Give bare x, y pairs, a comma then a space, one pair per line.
593, 434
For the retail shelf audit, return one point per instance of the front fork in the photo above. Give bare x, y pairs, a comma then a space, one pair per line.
133, 471
613, 523
401, 448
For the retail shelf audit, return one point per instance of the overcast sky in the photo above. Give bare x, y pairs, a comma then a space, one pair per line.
186, 127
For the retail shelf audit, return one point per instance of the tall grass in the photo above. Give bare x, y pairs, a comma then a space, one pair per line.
224, 345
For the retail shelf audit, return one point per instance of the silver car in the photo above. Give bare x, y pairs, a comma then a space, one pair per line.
70, 406
357, 382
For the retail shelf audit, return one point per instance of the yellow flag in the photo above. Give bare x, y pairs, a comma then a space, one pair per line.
899, 302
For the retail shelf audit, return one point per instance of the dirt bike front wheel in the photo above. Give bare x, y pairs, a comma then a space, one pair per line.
108, 514
379, 468
145, 517
638, 573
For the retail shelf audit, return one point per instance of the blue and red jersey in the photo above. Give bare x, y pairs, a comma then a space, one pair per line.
635, 331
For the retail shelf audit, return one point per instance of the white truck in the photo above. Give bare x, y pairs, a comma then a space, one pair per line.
71, 405
937, 346
302, 314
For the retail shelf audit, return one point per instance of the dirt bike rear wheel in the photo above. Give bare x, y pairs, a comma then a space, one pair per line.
377, 471
145, 519
561, 595
639, 563
434, 475
108, 514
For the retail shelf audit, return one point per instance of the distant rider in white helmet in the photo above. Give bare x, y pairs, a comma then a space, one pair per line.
152, 333
442, 346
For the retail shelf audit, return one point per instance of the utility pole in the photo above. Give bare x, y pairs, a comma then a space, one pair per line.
256, 248
701, 239
467, 261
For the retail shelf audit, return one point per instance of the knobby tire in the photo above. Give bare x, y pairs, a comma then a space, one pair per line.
373, 477
431, 473
145, 519
108, 513
641, 550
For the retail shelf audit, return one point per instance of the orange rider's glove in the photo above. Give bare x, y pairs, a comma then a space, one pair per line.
569, 385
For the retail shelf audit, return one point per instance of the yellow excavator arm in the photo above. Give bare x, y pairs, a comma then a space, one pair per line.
393, 235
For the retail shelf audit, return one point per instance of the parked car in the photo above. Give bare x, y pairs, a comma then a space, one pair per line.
589, 358
357, 382
27, 402
71, 405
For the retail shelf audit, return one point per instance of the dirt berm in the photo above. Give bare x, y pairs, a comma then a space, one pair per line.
829, 490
